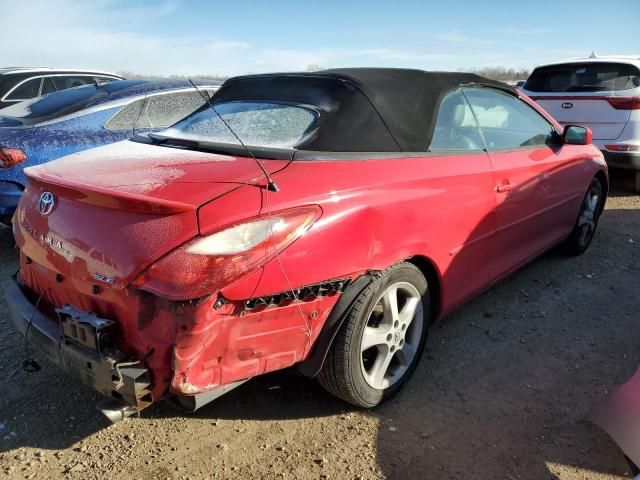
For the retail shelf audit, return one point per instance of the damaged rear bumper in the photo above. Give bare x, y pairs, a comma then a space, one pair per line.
192, 350
111, 373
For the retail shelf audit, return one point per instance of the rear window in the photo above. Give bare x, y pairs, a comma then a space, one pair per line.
167, 108
258, 124
584, 77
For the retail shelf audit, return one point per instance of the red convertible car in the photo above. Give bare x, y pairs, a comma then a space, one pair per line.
321, 219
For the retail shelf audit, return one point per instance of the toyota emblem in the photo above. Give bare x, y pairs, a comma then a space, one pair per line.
47, 203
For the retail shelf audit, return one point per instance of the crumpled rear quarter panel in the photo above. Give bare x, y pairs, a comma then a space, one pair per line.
217, 347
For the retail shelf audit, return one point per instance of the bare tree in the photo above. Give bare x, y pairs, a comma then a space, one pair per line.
500, 73
496, 73
135, 76
314, 67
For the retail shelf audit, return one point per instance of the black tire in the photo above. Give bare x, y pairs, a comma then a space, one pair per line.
584, 229
343, 372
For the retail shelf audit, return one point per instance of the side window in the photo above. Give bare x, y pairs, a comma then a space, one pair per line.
104, 79
455, 127
27, 90
127, 117
508, 122
69, 81
48, 86
166, 109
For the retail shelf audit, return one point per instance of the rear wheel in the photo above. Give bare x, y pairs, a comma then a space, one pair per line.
585, 228
380, 342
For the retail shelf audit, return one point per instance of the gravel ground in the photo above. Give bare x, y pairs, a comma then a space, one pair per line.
501, 393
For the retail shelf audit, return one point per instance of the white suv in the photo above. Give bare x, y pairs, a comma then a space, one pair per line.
602, 93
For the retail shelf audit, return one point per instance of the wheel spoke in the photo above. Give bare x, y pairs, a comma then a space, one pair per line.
588, 215
408, 312
584, 218
391, 336
380, 367
390, 305
584, 232
374, 336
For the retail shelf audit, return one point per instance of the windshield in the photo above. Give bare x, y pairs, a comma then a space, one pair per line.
584, 77
49, 107
260, 124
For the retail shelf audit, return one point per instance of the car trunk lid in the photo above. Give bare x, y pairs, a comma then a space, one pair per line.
118, 208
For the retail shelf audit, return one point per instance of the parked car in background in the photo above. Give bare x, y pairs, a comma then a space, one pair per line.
39, 130
322, 219
602, 93
24, 83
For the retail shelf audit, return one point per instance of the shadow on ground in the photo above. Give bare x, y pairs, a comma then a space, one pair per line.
502, 391
509, 379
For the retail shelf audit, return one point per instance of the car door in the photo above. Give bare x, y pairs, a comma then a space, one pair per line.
533, 173
459, 160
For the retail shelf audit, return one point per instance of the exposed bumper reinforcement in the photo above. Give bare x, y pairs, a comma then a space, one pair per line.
110, 374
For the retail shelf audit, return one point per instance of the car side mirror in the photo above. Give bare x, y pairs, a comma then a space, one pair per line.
577, 135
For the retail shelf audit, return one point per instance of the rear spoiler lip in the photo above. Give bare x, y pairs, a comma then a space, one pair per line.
110, 198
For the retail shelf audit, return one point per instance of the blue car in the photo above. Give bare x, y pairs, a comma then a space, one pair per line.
45, 128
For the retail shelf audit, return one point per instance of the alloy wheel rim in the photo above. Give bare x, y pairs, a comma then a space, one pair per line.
391, 338
588, 216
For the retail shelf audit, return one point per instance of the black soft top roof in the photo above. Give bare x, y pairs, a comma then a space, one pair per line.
360, 109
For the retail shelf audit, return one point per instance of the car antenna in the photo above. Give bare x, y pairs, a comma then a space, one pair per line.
271, 185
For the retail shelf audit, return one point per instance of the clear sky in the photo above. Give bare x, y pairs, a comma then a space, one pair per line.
241, 36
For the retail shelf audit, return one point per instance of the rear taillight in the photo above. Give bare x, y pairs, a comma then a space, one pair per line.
624, 103
622, 148
207, 264
10, 157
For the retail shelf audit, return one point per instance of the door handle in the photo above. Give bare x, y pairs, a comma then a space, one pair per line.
504, 188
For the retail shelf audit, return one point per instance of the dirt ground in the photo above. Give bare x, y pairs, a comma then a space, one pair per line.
501, 393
